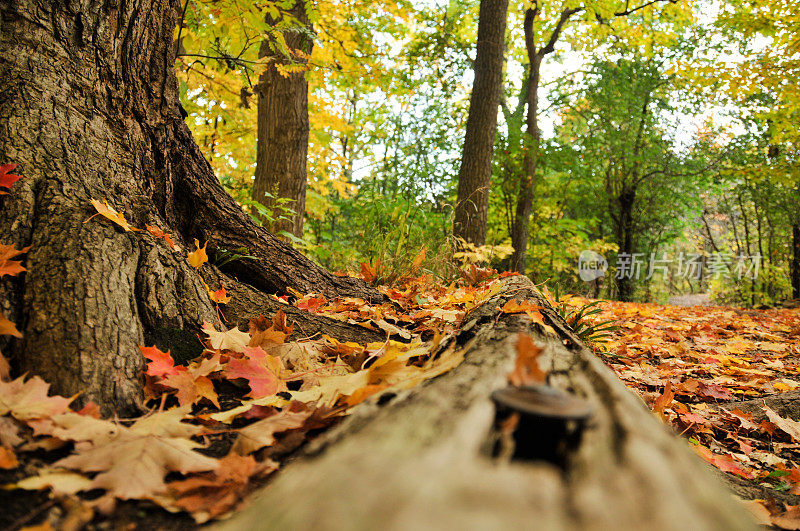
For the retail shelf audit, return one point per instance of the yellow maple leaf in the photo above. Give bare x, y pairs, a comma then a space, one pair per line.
111, 214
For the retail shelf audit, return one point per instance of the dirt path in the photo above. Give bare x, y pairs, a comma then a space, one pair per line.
691, 299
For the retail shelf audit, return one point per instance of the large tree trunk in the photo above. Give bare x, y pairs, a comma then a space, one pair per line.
475, 173
427, 458
283, 124
89, 106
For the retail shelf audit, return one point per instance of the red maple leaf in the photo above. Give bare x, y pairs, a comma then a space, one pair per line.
7, 179
263, 382
161, 363
714, 391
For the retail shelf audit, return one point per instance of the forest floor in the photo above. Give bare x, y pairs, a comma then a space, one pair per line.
726, 379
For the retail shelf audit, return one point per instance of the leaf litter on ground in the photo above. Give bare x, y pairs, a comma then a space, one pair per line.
711, 372
220, 424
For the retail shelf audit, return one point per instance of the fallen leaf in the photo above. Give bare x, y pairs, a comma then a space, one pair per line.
158, 233
262, 433
7, 328
111, 214
161, 363
26, 400
9, 261
133, 461
526, 367
190, 388
757, 510
61, 482
5, 368
212, 494
198, 257
7, 179
8, 459
789, 519
220, 296
9, 432
664, 400
788, 426
262, 381
233, 339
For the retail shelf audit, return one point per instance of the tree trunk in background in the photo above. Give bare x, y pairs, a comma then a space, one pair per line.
795, 261
89, 101
475, 174
527, 182
624, 236
283, 125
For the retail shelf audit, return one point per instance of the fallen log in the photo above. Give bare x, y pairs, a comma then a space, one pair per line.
427, 458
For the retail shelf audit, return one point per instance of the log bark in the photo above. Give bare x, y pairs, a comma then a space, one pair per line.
475, 173
423, 459
89, 107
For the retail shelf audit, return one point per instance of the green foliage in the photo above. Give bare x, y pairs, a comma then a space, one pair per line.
583, 321
224, 256
264, 215
618, 170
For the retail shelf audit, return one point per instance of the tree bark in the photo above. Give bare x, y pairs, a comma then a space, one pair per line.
527, 180
89, 106
532, 138
624, 236
475, 173
283, 124
424, 459
795, 261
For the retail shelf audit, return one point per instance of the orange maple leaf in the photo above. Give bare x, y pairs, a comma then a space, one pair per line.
220, 296
664, 401
262, 381
158, 233
7, 328
8, 459
198, 257
212, 494
526, 367
526, 307
8, 260
191, 388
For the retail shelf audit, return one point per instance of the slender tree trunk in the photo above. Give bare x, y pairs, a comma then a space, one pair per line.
796, 261
475, 174
89, 101
527, 183
283, 124
526, 189
626, 283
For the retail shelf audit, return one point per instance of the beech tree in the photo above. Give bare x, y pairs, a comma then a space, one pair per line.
283, 117
475, 173
90, 110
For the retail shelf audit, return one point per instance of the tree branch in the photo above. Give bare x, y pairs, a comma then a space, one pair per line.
562, 20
